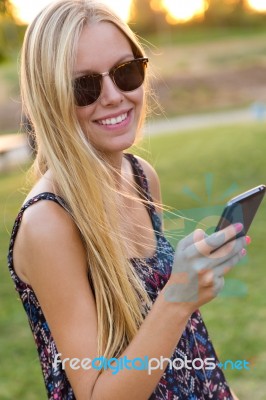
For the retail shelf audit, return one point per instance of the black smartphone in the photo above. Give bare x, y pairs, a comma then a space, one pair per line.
242, 209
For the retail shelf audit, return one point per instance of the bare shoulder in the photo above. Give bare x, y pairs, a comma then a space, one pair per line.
47, 232
46, 218
153, 180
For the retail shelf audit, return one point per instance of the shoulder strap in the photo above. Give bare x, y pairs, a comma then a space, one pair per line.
140, 177
142, 182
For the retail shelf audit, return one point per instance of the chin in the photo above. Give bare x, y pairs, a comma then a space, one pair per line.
117, 149
118, 145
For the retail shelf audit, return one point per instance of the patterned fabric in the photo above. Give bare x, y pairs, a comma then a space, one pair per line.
181, 384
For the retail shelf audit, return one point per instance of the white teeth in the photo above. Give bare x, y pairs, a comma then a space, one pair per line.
113, 121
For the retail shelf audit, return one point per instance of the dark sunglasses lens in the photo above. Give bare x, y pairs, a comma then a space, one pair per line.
130, 76
87, 89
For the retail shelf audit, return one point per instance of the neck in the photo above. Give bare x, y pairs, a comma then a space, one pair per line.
119, 165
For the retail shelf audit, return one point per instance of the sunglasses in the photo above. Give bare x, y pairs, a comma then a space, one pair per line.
127, 77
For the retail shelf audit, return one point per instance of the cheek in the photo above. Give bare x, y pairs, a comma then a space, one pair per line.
137, 98
140, 101
140, 96
83, 115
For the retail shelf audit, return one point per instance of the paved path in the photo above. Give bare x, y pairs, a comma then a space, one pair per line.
192, 122
14, 149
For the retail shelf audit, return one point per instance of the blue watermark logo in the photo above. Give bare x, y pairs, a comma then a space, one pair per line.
235, 365
181, 222
145, 363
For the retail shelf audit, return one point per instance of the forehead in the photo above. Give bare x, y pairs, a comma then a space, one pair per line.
100, 46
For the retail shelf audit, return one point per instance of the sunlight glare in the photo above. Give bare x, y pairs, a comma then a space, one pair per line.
257, 5
26, 10
121, 7
183, 11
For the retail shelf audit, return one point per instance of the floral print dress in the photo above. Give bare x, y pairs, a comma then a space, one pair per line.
175, 384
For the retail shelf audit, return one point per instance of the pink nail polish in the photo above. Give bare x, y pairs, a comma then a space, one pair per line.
248, 239
243, 252
238, 226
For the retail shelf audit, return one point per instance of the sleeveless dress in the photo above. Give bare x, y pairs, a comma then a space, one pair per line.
175, 384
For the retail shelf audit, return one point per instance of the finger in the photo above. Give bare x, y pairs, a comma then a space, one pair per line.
227, 234
228, 251
216, 240
227, 265
206, 278
210, 280
223, 255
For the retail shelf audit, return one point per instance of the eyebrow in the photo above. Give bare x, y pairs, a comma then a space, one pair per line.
125, 58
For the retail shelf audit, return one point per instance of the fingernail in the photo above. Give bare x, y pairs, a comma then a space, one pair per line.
248, 239
238, 226
243, 252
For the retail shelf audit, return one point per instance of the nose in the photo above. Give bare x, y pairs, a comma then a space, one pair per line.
110, 94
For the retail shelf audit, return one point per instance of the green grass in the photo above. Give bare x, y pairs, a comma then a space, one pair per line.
20, 374
9, 76
222, 158
189, 34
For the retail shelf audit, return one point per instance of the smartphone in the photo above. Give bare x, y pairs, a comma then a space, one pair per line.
242, 209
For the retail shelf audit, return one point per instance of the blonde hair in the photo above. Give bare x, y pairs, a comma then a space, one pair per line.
82, 177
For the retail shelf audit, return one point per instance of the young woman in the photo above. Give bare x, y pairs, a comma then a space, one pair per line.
88, 256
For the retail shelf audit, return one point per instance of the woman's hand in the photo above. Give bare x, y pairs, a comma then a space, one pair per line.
200, 264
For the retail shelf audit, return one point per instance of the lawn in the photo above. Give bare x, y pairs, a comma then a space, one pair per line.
187, 34
20, 375
199, 172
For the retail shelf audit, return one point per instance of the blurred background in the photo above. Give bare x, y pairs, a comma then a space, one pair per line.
206, 139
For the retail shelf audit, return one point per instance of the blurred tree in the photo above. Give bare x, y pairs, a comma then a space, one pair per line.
217, 12
11, 34
150, 16
239, 12
231, 13
6, 9
146, 16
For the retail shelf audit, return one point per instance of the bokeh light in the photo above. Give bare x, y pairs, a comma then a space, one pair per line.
26, 10
183, 11
257, 5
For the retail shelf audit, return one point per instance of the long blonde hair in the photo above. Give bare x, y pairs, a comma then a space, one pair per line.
81, 176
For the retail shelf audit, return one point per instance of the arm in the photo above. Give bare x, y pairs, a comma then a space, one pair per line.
55, 265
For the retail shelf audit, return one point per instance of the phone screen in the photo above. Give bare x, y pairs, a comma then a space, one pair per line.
242, 209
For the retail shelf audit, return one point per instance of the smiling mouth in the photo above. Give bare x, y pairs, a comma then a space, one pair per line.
113, 121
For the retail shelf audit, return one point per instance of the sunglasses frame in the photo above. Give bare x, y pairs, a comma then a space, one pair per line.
111, 73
